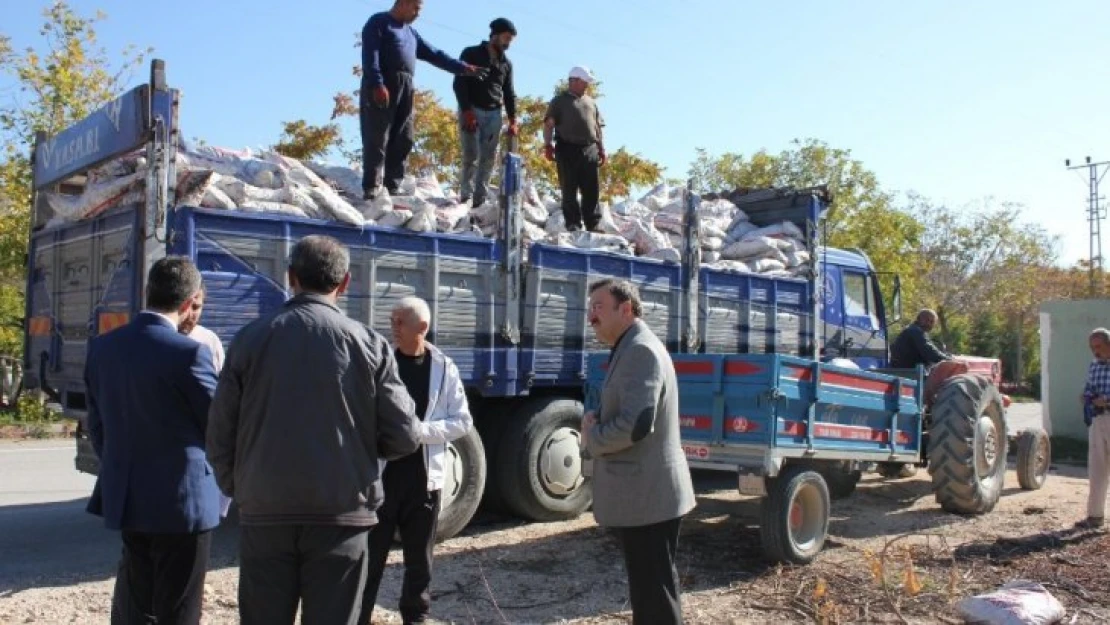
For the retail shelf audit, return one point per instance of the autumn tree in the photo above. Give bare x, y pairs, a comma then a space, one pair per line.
64, 77
862, 216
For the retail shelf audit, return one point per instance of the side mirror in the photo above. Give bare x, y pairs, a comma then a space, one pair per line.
896, 302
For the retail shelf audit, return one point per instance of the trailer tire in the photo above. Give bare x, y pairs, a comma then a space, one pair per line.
1034, 456
491, 426
539, 466
464, 468
794, 516
967, 445
897, 470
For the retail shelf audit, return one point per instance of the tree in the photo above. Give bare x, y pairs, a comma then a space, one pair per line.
303, 141
57, 82
862, 214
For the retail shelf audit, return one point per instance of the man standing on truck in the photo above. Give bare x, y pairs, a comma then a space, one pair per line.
1096, 413
413, 483
307, 403
390, 49
149, 390
642, 485
913, 347
480, 101
572, 138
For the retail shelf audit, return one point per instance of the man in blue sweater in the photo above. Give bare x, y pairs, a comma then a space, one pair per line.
390, 49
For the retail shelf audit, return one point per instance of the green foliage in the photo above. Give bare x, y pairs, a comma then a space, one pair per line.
29, 410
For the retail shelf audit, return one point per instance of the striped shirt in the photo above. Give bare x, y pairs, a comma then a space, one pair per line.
1098, 385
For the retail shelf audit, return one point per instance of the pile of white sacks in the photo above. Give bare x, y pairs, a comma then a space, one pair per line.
269, 182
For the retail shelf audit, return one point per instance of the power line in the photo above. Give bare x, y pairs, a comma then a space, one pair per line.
1095, 215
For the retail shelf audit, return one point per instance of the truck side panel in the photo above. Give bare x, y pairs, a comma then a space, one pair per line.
83, 282
555, 335
244, 260
749, 314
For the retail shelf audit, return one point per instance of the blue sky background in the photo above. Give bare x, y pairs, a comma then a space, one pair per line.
955, 100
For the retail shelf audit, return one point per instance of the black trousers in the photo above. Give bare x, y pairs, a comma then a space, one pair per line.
161, 579
387, 133
649, 557
322, 567
410, 508
578, 168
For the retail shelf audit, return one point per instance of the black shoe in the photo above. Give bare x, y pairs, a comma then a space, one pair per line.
463, 199
1091, 523
393, 191
371, 194
574, 228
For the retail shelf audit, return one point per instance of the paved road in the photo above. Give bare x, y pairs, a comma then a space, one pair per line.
46, 537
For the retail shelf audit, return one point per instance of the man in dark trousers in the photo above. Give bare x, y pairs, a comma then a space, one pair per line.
149, 389
480, 101
308, 401
390, 49
413, 484
573, 139
913, 347
642, 485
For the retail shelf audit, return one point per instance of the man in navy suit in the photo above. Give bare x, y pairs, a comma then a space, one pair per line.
149, 389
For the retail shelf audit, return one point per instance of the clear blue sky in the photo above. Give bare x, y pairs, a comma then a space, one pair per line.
955, 100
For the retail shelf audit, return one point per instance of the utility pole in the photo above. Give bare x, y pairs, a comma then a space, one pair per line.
1095, 215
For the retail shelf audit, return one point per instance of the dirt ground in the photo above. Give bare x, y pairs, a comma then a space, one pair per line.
502, 571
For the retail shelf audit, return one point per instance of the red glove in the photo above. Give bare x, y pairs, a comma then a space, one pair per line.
381, 96
470, 121
514, 129
549, 152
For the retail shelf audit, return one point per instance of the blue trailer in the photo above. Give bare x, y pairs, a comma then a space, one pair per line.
516, 328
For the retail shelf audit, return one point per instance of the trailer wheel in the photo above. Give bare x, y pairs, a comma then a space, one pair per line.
896, 470
1034, 455
540, 464
967, 445
464, 473
795, 516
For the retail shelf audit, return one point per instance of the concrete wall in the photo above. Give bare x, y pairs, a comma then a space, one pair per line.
1065, 355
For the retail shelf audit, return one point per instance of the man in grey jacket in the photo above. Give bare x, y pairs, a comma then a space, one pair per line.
641, 481
308, 401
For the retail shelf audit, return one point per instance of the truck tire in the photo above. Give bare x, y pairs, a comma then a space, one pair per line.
491, 427
896, 470
464, 469
967, 445
539, 464
794, 516
1034, 456
841, 483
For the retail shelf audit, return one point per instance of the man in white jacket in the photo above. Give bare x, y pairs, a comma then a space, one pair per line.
412, 484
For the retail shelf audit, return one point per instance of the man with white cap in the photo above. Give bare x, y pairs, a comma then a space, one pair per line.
572, 138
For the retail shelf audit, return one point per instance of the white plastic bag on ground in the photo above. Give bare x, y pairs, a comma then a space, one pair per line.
1018, 602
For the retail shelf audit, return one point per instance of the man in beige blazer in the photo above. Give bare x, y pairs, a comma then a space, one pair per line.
641, 481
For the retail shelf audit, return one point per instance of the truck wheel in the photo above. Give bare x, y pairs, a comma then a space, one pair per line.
841, 483
795, 516
1034, 455
464, 481
540, 464
491, 427
896, 470
967, 445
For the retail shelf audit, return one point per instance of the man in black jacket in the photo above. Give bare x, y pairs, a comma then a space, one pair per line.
913, 347
480, 99
307, 402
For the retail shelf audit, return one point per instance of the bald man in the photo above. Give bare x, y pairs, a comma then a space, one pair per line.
913, 347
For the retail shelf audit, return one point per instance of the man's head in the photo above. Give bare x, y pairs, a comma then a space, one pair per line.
319, 265
1100, 343
172, 285
407, 10
409, 322
191, 318
580, 79
614, 306
501, 33
927, 319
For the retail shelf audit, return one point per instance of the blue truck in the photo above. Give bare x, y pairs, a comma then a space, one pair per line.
516, 328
